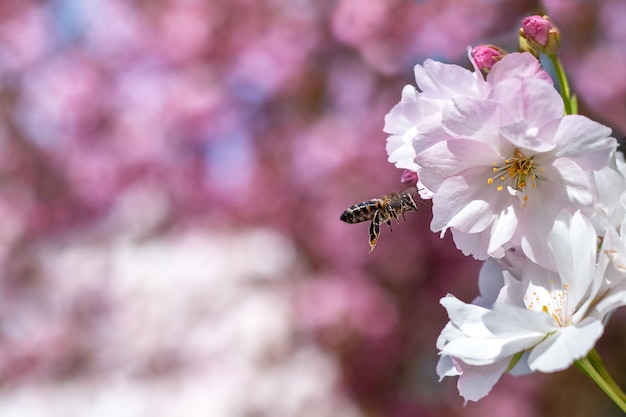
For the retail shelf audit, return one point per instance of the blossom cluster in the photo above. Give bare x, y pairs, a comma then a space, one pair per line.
537, 192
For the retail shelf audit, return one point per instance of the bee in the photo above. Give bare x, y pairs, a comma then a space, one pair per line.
381, 210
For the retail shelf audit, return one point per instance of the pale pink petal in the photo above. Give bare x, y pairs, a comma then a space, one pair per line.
530, 100
445, 159
502, 231
578, 183
445, 81
430, 132
467, 116
584, 141
474, 244
610, 182
527, 138
517, 65
460, 206
408, 112
401, 152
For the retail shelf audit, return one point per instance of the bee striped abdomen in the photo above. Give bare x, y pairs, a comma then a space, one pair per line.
361, 212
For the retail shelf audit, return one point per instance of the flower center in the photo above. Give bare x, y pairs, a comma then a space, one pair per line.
551, 302
516, 172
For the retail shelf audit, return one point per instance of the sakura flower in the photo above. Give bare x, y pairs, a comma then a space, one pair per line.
439, 86
541, 320
502, 167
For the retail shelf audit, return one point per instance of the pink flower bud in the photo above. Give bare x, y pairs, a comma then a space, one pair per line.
408, 177
537, 28
487, 55
540, 34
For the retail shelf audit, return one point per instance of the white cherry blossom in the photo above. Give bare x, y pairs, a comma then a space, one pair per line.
541, 320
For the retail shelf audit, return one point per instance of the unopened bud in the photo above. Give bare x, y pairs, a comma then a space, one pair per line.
408, 177
525, 47
540, 34
487, 55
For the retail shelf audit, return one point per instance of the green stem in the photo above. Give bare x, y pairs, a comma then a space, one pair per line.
598, 365
571, 106
592, 366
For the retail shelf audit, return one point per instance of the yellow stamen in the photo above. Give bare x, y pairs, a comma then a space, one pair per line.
516, 172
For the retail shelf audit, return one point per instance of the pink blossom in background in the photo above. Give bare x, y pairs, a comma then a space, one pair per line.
23, 35
594, 55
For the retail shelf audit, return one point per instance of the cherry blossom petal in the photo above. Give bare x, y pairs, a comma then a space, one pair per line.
532, 101
517, 65
526, 138
470, 116
573, 242
562, 348
474, 244
503, 229
462, 207
511, 321
477, 381
577, 182
444, 81
584, 141
466, 317
490, 282
614, 297
446, 367
445, 159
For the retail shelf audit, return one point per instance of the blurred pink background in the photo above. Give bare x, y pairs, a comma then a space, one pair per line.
171, 179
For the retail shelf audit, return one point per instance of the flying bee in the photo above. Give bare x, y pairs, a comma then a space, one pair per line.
381, 210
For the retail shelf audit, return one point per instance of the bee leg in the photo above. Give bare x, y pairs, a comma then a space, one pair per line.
394, 213
413, 203
374, 231
389, 224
